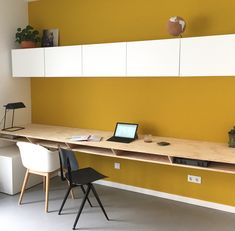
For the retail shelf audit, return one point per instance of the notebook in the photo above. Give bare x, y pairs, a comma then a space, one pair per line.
124, 133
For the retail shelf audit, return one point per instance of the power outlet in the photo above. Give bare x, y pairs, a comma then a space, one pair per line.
194, 179
117, 165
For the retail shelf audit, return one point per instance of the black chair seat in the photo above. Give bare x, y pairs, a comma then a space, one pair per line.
85, 176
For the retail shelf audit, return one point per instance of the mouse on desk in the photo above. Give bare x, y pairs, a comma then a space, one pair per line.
163, 143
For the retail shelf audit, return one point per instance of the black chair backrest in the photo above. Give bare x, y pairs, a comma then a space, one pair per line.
69, 171
68, 162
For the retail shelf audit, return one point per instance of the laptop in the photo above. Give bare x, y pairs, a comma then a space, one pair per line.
124, 133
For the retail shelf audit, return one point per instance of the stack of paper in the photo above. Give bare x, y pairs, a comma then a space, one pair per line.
95, 138
86, 138
80, 138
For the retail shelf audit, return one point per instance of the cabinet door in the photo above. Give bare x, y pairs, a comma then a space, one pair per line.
28, 62
63, 61
153, 58
104, 59
208, 56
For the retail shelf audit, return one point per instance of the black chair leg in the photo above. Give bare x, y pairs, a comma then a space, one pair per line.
65, 198
82, 206
98, 199
82, 187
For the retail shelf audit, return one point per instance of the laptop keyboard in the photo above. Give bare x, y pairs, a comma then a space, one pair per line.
120, 139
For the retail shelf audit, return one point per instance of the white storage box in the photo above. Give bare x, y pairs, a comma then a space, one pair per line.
12, 171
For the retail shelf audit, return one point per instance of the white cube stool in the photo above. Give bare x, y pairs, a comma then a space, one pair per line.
12, 171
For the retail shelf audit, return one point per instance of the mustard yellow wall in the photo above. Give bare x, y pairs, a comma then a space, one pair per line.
192, 108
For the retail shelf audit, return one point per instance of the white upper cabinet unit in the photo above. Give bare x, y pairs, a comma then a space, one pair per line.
153, 58
208, 56
63, 61
28, 62
107, 59
196, 56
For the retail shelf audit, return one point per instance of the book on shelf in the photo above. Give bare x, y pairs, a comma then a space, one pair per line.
94, 138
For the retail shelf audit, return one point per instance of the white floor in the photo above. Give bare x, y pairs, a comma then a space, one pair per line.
127, 211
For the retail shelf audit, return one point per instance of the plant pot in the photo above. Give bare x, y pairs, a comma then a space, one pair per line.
27, 44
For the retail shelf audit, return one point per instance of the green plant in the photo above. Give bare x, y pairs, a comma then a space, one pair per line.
27, 34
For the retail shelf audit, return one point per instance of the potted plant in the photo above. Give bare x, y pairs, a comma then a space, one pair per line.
27, 37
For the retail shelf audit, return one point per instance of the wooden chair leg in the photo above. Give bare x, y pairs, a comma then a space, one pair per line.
26, 177
44, 184
71, 192
47, 192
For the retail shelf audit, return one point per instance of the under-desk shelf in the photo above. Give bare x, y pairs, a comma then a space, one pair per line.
222, 167
12, 138
93, 150
50, 144
213, 166
152, 158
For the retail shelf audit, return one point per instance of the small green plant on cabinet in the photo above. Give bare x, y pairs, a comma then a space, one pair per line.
27, 35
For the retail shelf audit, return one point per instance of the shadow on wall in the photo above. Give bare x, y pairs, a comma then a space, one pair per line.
147, 128
199, 26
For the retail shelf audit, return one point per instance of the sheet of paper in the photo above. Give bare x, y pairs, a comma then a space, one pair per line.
95, 138
80, 138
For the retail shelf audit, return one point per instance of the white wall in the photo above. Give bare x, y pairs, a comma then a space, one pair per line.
13, 14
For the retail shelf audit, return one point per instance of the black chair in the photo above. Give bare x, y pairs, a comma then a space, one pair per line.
78, 177
64, 154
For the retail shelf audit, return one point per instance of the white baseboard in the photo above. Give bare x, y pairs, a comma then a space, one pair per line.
188, 200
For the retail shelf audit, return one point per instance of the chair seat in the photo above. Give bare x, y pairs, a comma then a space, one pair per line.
85, 176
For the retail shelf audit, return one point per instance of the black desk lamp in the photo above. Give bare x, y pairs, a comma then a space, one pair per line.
12, 106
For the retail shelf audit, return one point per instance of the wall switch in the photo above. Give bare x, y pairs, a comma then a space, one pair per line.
117, 165
194, 179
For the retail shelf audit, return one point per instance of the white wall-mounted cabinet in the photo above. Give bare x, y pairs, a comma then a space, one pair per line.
28, 62
153, 58
197, 56
63, 61
108, 59
208, 56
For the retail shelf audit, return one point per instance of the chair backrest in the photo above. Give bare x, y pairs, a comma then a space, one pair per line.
68, 162
38, 158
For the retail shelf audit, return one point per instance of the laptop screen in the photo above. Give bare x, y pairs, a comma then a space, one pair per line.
126, 130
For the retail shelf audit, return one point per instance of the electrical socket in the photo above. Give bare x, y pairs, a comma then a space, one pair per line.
117, 165
194, 179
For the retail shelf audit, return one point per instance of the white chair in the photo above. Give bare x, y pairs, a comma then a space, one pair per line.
40, 161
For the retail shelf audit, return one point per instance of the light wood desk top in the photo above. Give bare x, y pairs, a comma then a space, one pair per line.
221, 156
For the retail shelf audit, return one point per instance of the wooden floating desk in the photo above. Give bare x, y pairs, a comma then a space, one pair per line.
221, 157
